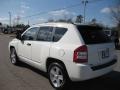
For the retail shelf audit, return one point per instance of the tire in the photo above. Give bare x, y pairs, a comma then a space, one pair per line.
13, 57
57, 76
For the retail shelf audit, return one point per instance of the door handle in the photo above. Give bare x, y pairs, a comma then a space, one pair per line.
28, 44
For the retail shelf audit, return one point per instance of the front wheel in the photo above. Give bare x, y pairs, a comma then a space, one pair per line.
57, 76
13, 56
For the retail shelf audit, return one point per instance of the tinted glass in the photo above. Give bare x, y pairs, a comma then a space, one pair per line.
93, 34
31, 34
59, 32
45, 34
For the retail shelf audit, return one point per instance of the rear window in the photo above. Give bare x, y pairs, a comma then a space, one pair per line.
93, 34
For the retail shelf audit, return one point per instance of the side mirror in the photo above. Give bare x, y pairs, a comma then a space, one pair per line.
18, 36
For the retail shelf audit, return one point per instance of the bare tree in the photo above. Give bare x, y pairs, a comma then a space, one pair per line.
93, 21
69, 20
0, 24
50, 20
115, 12
79, 19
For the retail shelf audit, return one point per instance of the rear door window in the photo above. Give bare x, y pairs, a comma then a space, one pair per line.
45, 34
93, 34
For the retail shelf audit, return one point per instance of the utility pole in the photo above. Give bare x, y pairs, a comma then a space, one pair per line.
18, 19
9, 18
28, 22
85, 3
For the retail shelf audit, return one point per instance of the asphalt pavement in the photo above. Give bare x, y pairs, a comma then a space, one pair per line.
25, 77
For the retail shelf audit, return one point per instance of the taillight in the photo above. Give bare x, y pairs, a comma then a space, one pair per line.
80, 54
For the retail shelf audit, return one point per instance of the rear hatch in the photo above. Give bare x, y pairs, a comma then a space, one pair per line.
100, 48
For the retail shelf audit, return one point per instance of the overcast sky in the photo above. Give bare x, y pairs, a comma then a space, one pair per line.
99, 9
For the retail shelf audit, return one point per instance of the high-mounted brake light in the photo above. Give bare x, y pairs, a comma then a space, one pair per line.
81, 54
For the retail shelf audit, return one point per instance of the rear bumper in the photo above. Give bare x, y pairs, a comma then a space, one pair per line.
94, 68
85, 72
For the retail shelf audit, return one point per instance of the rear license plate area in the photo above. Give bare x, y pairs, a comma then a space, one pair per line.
104, 53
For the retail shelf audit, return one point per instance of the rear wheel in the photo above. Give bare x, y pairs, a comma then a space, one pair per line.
13, 56
57, 76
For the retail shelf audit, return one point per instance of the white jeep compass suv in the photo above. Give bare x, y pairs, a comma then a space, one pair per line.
65, 51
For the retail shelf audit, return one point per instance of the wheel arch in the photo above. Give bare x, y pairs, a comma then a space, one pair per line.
11, 47
51, 60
